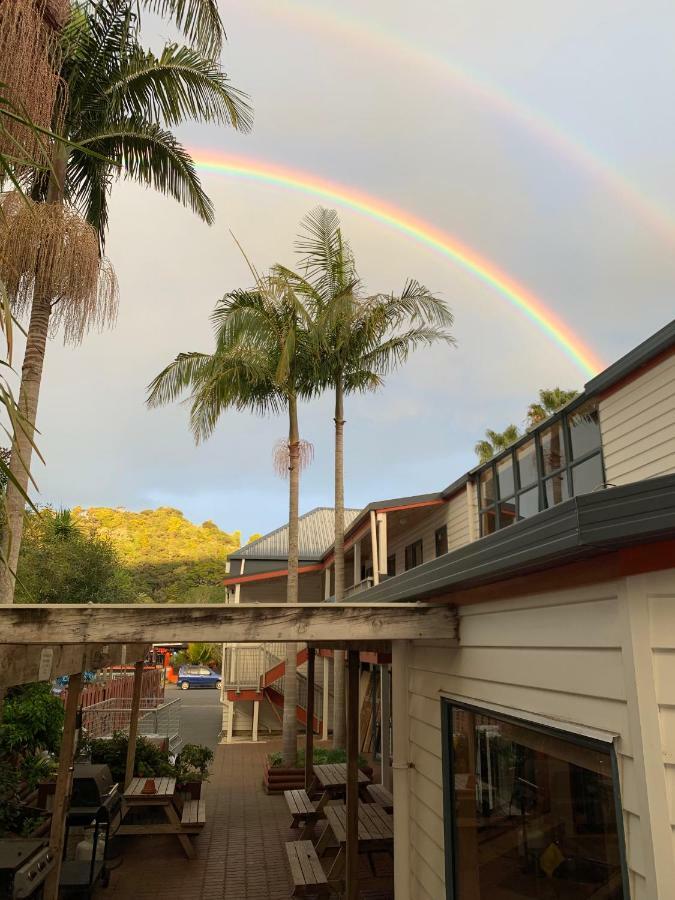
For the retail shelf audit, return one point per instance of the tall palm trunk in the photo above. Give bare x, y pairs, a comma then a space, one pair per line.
338, 656
290, 725
29, 394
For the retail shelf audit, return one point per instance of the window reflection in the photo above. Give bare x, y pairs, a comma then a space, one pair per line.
527, 464
555, 489
534, 814
507, 484
528, 503
507, 513
588, 476
552, 448
488, 522
584, 427
487, 487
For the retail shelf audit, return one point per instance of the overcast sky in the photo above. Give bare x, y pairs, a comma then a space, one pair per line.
410, 133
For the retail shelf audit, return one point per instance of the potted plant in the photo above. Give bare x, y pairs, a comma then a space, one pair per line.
192, 769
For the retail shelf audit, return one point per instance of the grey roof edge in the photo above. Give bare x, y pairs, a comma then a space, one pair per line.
638, 356
242, 552
584, 526
455, 486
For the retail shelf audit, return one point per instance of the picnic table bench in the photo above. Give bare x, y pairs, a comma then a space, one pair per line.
330, 781
192, 821
302, 809
376, 833
309, 879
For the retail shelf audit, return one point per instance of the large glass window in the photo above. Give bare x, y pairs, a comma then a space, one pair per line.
552, 465
530, 812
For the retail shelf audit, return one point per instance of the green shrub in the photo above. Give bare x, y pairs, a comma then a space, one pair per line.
192, 763
322, 756
150, 760
32, 719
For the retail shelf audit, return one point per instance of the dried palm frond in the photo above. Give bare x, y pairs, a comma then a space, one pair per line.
29, 72
282, 456
49, 248
55, 12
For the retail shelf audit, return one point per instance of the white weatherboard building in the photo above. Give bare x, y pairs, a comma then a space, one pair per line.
535, 755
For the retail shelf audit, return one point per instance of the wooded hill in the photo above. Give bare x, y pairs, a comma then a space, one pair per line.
169, 558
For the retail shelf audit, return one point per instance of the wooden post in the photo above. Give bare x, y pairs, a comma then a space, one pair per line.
256, 712
326, 697
385, 726
357, 561
309, 728
64, 783
373, 547
352, 848
133, 721
382, 545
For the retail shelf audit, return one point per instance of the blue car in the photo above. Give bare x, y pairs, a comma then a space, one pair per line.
197, 676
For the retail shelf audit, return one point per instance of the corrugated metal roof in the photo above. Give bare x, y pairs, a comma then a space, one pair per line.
317, 534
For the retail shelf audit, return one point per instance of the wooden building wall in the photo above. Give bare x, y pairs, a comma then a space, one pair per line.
638, 426
454, 514
600, 657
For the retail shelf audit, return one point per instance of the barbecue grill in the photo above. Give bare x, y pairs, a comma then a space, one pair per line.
24, 866
94, 814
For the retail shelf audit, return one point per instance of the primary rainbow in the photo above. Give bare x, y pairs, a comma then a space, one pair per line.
520, 297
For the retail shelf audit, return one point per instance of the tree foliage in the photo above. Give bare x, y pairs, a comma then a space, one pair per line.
550, 401
63, 563
168, 558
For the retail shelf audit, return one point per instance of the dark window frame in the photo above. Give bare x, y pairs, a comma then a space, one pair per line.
442, 533
449, 822
562, 419
412, 546
391, 564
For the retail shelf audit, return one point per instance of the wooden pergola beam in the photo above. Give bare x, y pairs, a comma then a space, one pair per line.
250, 622
24, 663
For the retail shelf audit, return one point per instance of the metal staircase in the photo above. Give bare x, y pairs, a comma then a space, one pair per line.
256, 672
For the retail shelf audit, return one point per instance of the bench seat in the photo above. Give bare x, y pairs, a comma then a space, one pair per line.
194, 814
381, 796
301, 808
309, 879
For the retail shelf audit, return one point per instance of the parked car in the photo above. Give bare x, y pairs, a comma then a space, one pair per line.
197, 676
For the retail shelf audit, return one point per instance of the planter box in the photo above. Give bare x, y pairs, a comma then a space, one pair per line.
191, 788
277, 779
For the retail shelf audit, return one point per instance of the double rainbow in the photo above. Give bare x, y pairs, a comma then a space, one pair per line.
424, 232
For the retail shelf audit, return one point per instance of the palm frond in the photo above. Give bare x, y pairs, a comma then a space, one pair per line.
199, 21
150, 155
180, 84
176, 378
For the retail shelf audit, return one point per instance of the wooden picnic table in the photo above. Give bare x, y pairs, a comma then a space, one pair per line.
376, 832
163, 798
332, 780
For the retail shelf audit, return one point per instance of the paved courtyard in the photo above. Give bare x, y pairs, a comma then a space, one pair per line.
240, 853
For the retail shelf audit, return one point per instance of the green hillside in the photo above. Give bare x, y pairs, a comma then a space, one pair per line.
169, 558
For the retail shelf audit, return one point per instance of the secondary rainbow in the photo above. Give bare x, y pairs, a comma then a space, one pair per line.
331, 22
424, 232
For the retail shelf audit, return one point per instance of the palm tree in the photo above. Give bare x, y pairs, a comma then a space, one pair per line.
550, 401
495, 442
260, 364
120, 97
357, 340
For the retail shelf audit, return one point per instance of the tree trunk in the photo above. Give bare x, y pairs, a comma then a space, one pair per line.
22, 448
290, 724
339, 657
29, 394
